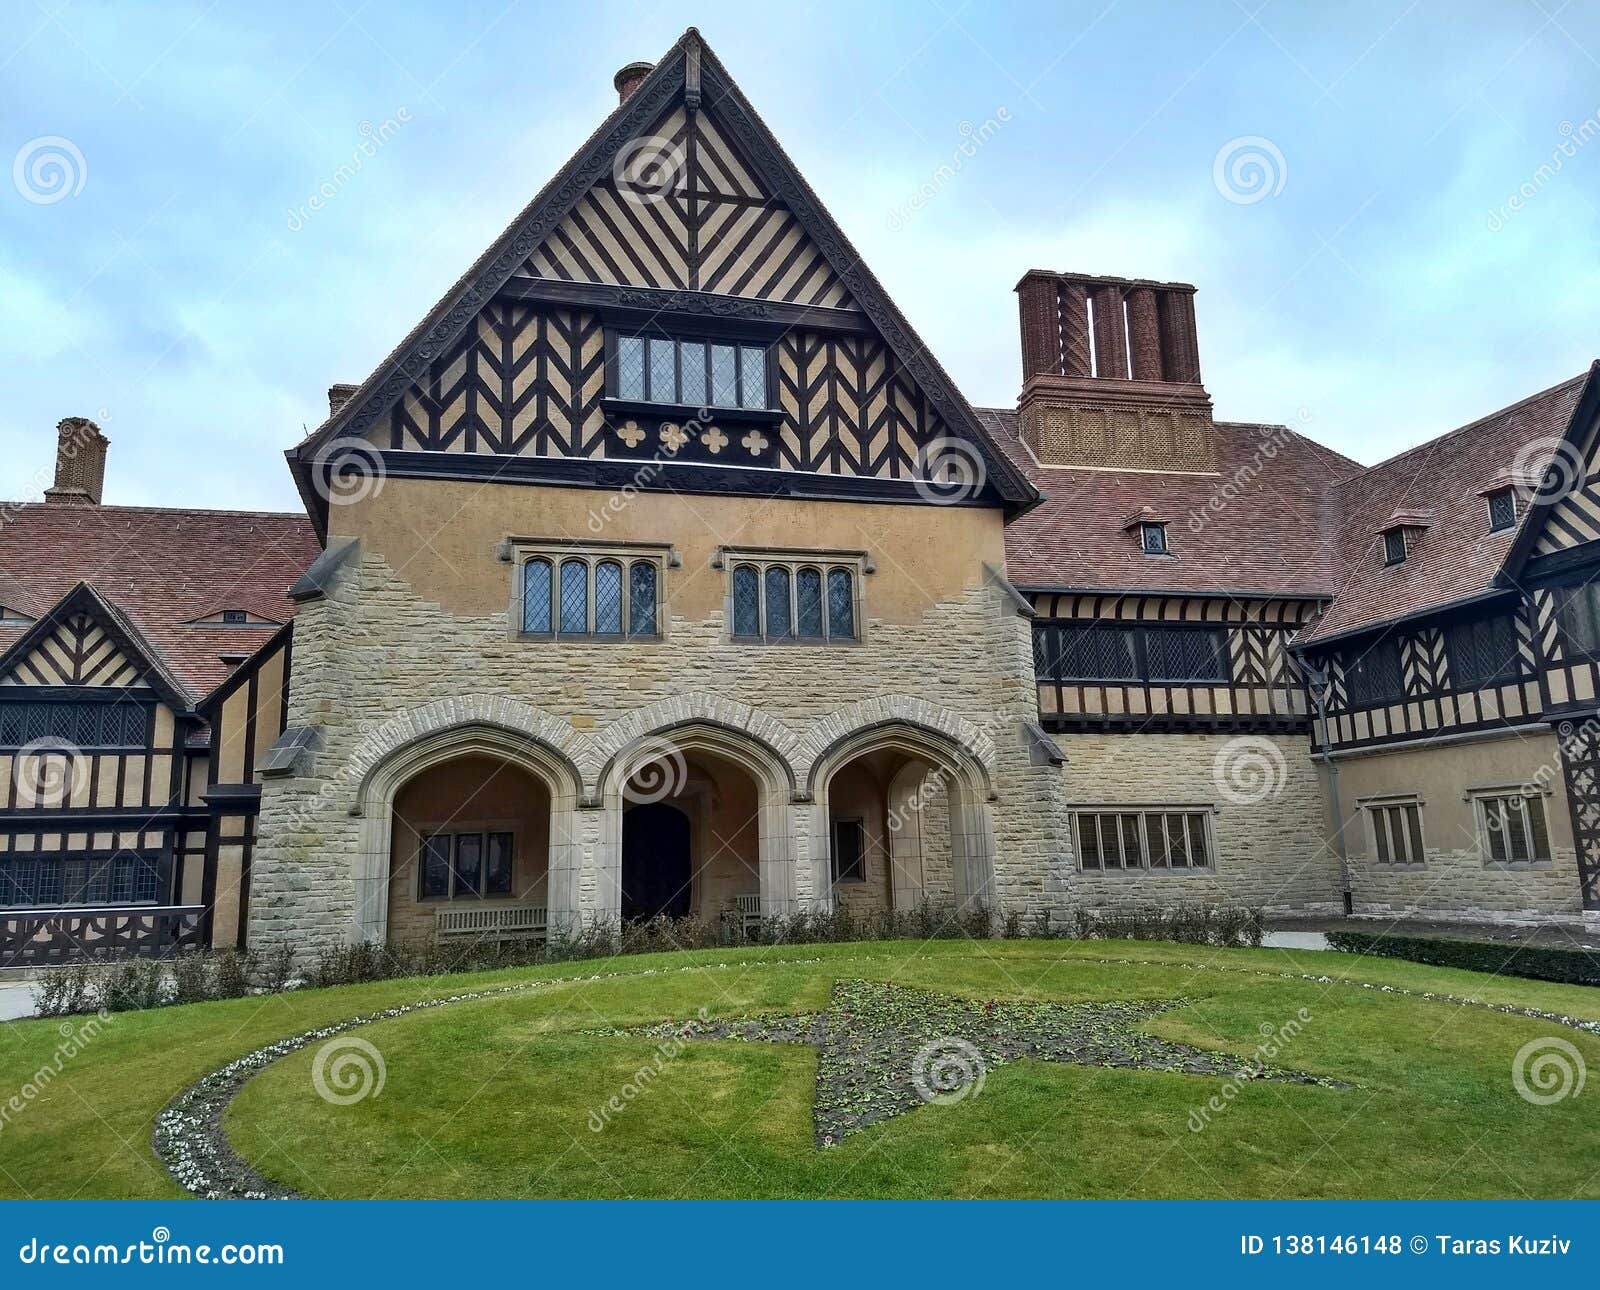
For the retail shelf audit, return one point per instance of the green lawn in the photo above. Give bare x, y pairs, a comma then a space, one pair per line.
494, 1097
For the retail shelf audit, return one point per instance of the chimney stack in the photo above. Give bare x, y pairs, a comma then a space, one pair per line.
630, 78
80, 463
338, 396
1111, 374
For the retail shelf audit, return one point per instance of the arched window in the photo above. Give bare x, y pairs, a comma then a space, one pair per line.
536, 600
777, 603
608, 598
808, 604
642, 599
841, 605
746, 601
574, 597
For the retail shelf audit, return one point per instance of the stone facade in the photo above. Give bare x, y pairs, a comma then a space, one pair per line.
384, 667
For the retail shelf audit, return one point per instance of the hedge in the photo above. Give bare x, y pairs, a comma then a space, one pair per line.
1540, 962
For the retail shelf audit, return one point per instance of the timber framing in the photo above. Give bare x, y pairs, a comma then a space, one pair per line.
689, 70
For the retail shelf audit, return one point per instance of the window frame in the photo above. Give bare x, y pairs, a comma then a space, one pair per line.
1393, 538
1501, 796
825, 564
1508, 494
738, 340
142, 703
1511, 669
1350, 657
1158, 530
1414, 839
1189, 812
521, 552
860, 876
1140, 634
455, 830
93, 862
1572, 647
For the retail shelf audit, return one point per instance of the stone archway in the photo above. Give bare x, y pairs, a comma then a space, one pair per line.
391, 760
960, 773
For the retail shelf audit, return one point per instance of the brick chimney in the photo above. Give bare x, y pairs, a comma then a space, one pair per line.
1111, 374
338, 396
630, 78
80, 463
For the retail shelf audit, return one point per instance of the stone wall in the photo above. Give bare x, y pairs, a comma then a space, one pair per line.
944, 652
1267, 822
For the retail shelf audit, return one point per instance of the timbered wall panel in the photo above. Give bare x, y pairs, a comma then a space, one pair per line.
1575, 518
1432, 702
530, 381
76, 652
54, 775
1263, 689
681, 209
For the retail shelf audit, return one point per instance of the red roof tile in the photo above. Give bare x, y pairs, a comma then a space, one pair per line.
1261, 526
1456, 556
161, 568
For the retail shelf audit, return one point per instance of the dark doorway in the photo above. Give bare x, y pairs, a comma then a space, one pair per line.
655, 862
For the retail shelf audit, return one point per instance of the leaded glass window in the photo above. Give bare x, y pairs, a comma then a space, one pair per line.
1481, 652
49, 880
536, 596
1186, 654
83, 724
1502, 510
752, 377
642, 599
1096, 654
776, 595
724, 377
630, 368
1578, 612
841, 605
574, 596
1374, 674
608, 598
663, 371
692, 390
808, 604
746, 601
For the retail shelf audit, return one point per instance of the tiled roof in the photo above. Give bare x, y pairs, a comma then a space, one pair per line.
1455, 557
161, 568
1261, 526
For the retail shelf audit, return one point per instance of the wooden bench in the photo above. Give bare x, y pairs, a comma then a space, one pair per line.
492, 922
747, 910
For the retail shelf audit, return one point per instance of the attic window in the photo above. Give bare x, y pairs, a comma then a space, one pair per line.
13, 617
1502, 509
691, 372
1394, 546
234, 616
1153, 539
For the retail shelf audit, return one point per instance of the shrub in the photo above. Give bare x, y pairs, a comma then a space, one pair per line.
131, 985
1226, 926
1539, 962
63, 991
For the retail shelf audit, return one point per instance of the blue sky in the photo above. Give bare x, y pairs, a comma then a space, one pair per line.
1381, 290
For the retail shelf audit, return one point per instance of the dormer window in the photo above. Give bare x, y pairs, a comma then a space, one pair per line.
1502, 509
1394, 546
234, 616
1153, 538
691, 373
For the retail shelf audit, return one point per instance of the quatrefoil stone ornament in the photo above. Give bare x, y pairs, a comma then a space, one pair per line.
755, 441
673, 437
714, 440
630, 434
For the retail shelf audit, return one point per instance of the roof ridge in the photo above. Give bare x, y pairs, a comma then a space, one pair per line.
1470, 425
56, 507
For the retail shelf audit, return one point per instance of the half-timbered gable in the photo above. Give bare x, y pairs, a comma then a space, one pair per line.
677, 299
107, 841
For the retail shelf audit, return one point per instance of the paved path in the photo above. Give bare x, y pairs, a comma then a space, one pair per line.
16, 1000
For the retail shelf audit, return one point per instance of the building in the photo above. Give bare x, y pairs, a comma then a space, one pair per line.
661, 570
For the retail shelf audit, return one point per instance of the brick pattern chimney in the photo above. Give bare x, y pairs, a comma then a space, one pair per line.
1111, 374
80, 463
629, 78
